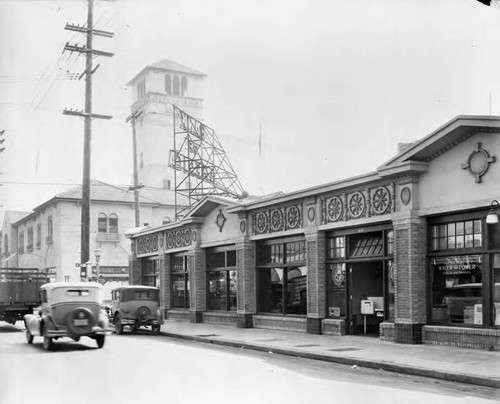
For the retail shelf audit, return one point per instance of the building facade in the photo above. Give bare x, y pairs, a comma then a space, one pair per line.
403, 253
48, 238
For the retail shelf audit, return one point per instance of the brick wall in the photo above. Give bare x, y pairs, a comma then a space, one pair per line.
410, 249
316, 278
461, 337
247, 299
198, 277
165, 283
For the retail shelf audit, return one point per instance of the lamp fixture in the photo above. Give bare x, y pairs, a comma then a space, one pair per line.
492, 217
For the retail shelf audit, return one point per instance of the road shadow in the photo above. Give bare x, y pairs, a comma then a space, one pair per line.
6, 328
62, 345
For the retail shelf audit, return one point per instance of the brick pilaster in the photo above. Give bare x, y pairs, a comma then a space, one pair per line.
165, 281
247, 304
198, 281
316, 280
135, 271
411, 293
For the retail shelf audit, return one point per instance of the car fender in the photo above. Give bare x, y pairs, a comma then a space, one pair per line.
32, 323
159, 316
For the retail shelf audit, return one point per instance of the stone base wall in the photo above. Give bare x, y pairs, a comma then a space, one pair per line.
294, 324
220, 318
174, 314
387, 331
461, 337
333, 327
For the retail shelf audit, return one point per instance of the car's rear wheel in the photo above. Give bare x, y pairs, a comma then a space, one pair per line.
29, 337
100, 340
118, 326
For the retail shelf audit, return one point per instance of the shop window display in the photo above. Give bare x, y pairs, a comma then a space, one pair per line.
282, 278
221, 278
180, 282
457, 289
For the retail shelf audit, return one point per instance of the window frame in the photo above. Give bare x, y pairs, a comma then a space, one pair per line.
283, 251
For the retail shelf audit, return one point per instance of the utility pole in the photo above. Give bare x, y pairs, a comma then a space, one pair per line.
89, 52
133, 117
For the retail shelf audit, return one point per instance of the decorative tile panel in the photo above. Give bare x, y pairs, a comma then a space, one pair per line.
147, 244
358, 204
179, 238
277, 219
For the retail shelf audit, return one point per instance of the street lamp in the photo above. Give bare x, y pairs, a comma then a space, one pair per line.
492, 217
97, 253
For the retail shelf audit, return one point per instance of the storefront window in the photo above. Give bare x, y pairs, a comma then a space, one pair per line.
496, 289
282, 278
180, 282
457, 289
391, 290
337, 290
221, 277
150, 272
456, 235
336, 247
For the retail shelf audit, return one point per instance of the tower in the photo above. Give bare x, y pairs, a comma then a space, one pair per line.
156, 89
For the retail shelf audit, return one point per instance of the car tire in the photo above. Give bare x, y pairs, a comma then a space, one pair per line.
100, 339
143, 314
118, 326
47, 343
156, 329
84, 312
29, 337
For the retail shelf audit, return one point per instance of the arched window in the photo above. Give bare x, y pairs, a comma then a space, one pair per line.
168, 84
113, 224
184, 86
166, 220
6, 245
176, 85
102, 223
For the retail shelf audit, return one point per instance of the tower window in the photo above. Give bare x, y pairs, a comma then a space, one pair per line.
168, 84
184, 86
176, 85
141, 88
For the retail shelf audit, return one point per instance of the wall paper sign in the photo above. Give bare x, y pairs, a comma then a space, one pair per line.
334, 311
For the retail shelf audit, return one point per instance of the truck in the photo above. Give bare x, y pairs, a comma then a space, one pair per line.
19, 292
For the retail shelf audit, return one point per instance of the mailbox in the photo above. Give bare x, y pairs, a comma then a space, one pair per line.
367, 307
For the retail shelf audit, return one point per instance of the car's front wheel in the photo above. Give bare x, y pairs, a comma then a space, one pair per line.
100, 340
29, 337
156, 329
118, 326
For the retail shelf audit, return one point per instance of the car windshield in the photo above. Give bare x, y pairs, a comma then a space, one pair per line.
140, 294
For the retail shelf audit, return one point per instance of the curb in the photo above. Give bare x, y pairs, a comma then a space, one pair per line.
389, 367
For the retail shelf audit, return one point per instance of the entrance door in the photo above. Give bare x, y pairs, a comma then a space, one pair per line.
366, 282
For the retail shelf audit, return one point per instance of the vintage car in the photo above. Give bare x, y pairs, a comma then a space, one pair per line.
68, 309
136, 306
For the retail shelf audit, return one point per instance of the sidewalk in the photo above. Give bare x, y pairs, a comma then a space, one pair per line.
440, 362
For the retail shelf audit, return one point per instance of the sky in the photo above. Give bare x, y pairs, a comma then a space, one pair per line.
333, 85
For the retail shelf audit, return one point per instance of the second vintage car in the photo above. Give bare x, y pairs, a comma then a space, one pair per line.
136, 306
68, 309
